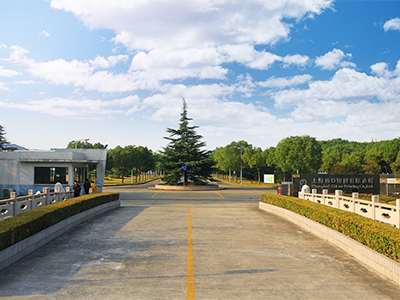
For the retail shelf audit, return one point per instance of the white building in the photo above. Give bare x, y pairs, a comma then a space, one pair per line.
34, 169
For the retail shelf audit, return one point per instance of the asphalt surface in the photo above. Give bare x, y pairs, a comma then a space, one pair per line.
191, 245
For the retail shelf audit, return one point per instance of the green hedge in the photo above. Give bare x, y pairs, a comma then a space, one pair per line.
15, 229
380, 237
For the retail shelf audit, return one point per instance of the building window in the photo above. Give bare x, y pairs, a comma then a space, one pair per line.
51, 175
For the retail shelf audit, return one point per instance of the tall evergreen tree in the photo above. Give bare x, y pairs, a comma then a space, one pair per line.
183, 154
3, 140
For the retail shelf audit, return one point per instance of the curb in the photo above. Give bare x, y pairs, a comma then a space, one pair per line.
380, 263
164, 187
15, 252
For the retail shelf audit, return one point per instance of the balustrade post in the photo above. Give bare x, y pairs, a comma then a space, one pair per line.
30, 200
355, 196
58, 194
314, 194
67, 192
338, 195
374, 199
47, 196
13, 196
398, 213
324, 194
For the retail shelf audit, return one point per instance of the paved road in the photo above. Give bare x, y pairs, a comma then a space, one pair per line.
201, 245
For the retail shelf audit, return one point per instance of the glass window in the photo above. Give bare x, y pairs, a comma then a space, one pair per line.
50, 175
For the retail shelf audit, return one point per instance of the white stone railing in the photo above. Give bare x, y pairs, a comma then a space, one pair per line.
16, 205
389, 214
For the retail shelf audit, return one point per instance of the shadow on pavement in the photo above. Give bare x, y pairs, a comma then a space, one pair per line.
51, 267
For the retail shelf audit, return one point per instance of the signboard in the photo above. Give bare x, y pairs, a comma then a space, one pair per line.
393, 180
184, 168
269, 178
348, 183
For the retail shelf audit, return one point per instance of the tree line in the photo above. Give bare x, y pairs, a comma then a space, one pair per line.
123, 161
294, 154
304, 154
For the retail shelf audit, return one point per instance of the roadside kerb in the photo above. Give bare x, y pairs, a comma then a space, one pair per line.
380, 263
175, 188
15, 252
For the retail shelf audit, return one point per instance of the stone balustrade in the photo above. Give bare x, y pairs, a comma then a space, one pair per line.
386, 213
16, 205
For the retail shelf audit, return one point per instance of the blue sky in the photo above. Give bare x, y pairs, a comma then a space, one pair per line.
116, 71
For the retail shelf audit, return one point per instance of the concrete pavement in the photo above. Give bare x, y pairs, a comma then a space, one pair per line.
142, 251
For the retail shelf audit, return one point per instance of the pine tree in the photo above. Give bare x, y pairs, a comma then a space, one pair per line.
184, 151
3, 140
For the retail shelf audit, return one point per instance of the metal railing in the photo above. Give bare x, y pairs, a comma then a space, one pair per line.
16, 205
386, 213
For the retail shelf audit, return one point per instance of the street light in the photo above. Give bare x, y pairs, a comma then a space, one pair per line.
241, 167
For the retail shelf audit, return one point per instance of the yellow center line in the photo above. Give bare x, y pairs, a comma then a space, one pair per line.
220, 195
155, 194
190, 271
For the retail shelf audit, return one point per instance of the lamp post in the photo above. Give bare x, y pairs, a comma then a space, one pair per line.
241, 166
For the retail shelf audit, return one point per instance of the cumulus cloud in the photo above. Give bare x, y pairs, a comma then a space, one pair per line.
349, 94
285, 82
297, 59
186, 24
8, 73
333, 60
393, 24
79, 107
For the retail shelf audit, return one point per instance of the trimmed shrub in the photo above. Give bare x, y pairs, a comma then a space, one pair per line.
19, 227
378, 236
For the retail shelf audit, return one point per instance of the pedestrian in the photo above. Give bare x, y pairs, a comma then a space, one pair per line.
86, 186
77, 189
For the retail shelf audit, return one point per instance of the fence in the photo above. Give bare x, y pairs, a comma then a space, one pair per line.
389, 214
14, 206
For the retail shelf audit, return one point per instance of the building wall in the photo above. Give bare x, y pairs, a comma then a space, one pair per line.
17, 169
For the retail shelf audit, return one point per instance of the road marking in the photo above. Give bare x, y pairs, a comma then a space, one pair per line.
190, 271
220, 195
155, 194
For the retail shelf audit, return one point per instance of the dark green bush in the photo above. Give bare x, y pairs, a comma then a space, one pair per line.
380, 237
15, 229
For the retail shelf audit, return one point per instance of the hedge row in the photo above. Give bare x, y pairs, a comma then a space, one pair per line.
15, 229
380, 237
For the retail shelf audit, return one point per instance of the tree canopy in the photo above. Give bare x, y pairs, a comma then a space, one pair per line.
298, 154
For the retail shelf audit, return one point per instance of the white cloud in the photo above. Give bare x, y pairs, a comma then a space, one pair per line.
45, 33
285, 82
297, 59
3, 86
333, 60
151, 24
348, 94
393, 24
381, 69
8, 73
79, 107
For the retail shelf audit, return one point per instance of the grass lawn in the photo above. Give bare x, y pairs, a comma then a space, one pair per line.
248, 183
127, 180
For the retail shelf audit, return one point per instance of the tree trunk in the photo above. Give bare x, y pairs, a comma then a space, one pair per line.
258, 169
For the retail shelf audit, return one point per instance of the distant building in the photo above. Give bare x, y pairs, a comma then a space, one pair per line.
22, 170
